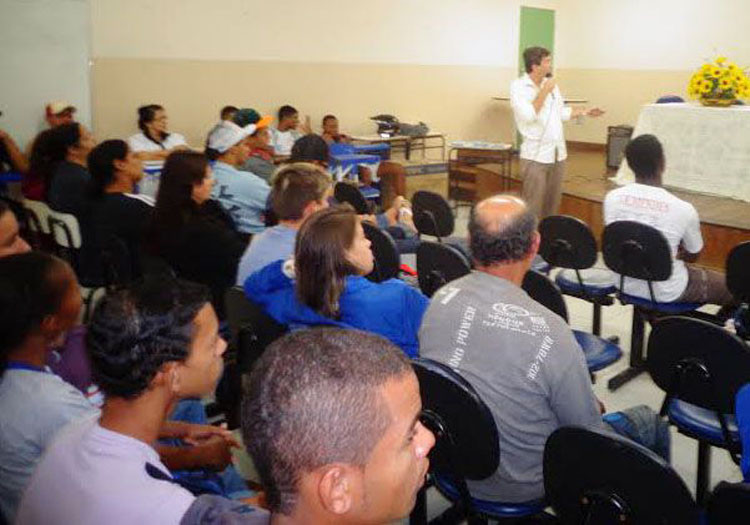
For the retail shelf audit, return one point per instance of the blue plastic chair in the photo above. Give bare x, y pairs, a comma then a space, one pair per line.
597, 477
599, 352
639, 251
700, 367
567, 242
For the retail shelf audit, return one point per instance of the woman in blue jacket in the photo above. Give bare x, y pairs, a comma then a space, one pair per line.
325, 284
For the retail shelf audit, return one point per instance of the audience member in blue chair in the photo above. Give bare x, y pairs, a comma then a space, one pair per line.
151, 344
299, 190
647, 202
331, 133
260, 160
288, 131
521, 358
117, 213
325, 284
190, 231
241, 193
397, 219
331, 419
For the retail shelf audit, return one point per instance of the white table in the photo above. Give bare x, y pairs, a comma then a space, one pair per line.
707, 149
409, 143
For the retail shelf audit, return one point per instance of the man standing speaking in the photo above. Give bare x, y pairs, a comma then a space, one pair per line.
539, 111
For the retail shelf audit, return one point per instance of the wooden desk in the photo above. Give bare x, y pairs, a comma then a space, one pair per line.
469, 179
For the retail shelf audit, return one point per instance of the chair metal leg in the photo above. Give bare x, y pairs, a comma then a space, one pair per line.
637, 363
704, 473
597, 325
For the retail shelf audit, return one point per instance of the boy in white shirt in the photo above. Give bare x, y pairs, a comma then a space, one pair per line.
645, 201
150, 345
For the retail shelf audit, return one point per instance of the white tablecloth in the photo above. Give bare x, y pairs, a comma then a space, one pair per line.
707, 149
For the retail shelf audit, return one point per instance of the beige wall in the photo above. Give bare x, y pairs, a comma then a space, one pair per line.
621, 93
453, 99
439, 62
621, 55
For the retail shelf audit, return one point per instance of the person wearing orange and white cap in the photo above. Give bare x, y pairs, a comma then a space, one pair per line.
260, 162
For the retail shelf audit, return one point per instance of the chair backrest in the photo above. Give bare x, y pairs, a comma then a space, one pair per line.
432, 214
636, 250
65, 230
567, 242
545, 292
345, 192
387, 258
38, 215
439, 264
729, 502
252, 329
466, 440
593, 476
698, 362
738, 272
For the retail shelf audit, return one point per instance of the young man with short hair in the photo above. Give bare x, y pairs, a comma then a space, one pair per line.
228, 113
150, 345
331, 420
299, 190
288, 130
647, 202
242, 194
331, 132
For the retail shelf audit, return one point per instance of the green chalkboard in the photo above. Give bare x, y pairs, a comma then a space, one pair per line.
537, 29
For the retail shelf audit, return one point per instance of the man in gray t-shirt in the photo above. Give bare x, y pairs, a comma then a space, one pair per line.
520, 357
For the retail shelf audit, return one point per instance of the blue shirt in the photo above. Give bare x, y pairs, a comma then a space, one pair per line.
392, 309
271, 245
242, 194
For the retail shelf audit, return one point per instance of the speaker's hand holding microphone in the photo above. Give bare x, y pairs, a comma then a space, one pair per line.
549, 84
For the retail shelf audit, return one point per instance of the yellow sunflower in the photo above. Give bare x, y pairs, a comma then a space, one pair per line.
721, 59
715, 71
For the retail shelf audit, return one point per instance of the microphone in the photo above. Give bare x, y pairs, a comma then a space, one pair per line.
549, 75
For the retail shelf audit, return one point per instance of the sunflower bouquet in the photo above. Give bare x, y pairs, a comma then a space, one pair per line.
719, 83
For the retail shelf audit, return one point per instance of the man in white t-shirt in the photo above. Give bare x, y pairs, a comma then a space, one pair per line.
288, 130
539, 111
150, 345
645, 201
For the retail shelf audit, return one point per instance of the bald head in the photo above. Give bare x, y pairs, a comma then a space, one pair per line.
502, 230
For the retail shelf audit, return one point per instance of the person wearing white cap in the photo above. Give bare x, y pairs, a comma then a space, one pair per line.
242, 194
59, 112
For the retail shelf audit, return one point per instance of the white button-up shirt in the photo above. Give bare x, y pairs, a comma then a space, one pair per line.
542, 132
